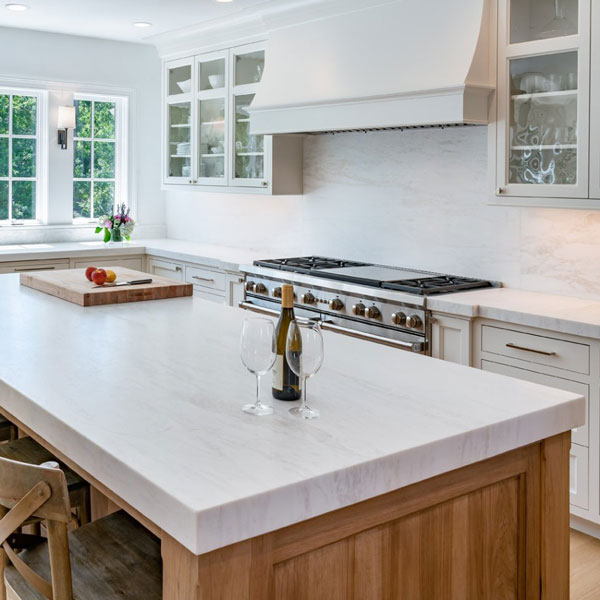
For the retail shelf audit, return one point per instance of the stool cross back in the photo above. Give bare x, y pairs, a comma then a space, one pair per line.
32, 491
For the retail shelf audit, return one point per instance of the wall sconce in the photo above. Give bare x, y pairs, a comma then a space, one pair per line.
66, 121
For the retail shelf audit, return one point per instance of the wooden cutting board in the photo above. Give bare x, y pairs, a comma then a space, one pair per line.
72, 285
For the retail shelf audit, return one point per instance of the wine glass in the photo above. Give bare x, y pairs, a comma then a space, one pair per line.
304, 353
258, 352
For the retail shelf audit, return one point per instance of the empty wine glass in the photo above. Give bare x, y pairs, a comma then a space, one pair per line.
304, 353
258, 352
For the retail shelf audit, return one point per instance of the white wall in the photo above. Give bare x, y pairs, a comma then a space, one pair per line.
414, 198
63, 64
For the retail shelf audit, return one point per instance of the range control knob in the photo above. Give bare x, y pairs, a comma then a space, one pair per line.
358, 309
259, 288
399, 318
414, 322
276, 292
307, 298
336, 304
249, 285
372, 312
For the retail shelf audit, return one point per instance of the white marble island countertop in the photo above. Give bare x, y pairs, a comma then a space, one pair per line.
146, 398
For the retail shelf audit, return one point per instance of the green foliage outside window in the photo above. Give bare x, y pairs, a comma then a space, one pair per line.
94, 159
17, 197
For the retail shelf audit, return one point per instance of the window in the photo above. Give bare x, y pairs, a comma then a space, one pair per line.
97, 164
19, 155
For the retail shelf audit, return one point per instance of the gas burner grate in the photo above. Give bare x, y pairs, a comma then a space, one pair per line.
307, 264
441, 284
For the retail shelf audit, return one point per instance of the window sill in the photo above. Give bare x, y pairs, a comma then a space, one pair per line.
43, 227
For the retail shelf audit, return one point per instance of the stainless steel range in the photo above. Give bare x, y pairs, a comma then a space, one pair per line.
374, 302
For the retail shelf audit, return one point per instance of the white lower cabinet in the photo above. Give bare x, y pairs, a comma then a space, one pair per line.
34, 265
128, 262
562, 361
579, 476
451, 338
164, 268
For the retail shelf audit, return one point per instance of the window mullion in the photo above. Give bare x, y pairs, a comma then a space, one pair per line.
92, 133
10, 130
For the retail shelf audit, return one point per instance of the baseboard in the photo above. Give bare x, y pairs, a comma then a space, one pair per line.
587, 527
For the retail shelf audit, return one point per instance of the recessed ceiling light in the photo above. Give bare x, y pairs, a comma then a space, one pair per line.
142, 24
224, 0
16, 7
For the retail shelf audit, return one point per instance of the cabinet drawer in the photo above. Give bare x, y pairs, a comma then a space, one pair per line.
580, 435
34, 265
108, 261
579, 476
205, 278
164, 268
536, 349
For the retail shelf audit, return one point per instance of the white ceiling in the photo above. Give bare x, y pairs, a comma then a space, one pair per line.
112, 19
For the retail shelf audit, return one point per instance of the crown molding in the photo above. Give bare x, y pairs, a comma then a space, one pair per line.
251, 24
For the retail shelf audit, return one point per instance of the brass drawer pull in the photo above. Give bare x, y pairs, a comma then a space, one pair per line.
543, 352
203, 278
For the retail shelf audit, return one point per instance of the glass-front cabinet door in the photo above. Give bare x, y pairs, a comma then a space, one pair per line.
213, 121
179, 121
248, 165
543, 98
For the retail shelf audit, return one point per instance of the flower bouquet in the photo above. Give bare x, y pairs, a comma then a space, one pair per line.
116, 227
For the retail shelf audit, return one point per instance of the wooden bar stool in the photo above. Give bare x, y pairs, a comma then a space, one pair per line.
27, 450
112, 558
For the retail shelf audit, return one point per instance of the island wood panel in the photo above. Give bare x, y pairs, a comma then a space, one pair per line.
495, 529
71, 285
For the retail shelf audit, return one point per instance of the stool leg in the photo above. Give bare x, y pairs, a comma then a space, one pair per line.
3, 562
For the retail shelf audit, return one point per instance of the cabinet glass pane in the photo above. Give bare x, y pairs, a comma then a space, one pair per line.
180, 80
180, 148
249, 149
543, 119
211, 124
249, 67
542, 19
211, 75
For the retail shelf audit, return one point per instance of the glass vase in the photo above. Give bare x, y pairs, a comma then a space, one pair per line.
116, 237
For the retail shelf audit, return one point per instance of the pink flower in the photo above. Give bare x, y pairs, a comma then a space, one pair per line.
108, 224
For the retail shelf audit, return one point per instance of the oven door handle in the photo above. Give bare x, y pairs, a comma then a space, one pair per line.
361, 335
259, 309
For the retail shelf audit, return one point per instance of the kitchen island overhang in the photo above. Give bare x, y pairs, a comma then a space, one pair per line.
172, 443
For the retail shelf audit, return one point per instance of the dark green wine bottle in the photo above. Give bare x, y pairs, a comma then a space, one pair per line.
286, 384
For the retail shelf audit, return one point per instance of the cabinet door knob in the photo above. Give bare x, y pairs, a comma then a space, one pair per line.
499, 191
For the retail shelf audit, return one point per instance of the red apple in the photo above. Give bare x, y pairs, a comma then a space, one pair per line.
99, 276
88, 272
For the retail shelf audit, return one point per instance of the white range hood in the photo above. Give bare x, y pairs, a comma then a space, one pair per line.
392, 64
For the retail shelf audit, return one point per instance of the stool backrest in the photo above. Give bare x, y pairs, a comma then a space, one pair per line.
31, 491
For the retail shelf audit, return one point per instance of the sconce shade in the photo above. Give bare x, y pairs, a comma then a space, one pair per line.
66, 117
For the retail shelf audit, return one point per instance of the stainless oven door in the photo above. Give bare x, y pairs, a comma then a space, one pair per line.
403, 341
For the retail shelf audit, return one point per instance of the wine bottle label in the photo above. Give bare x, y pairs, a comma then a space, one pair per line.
278, 373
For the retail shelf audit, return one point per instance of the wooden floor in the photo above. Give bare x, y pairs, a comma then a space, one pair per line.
585, 567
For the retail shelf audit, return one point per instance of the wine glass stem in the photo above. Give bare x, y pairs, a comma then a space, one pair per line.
304, 392
257, 390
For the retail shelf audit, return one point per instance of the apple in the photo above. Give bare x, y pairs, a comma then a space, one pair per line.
88, 272
99, 276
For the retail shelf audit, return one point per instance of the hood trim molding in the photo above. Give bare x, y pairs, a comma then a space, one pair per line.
466, 104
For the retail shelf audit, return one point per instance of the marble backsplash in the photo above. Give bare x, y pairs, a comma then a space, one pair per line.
416, 198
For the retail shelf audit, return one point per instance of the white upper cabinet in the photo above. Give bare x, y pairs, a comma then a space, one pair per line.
543, 103
208, 145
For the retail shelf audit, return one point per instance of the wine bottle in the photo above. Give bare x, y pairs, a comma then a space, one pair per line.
286, 384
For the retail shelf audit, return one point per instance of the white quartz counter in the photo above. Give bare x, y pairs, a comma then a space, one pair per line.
146, 397
221, 257
564, 314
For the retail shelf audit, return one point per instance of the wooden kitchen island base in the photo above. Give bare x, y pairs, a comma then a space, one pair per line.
495, 530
